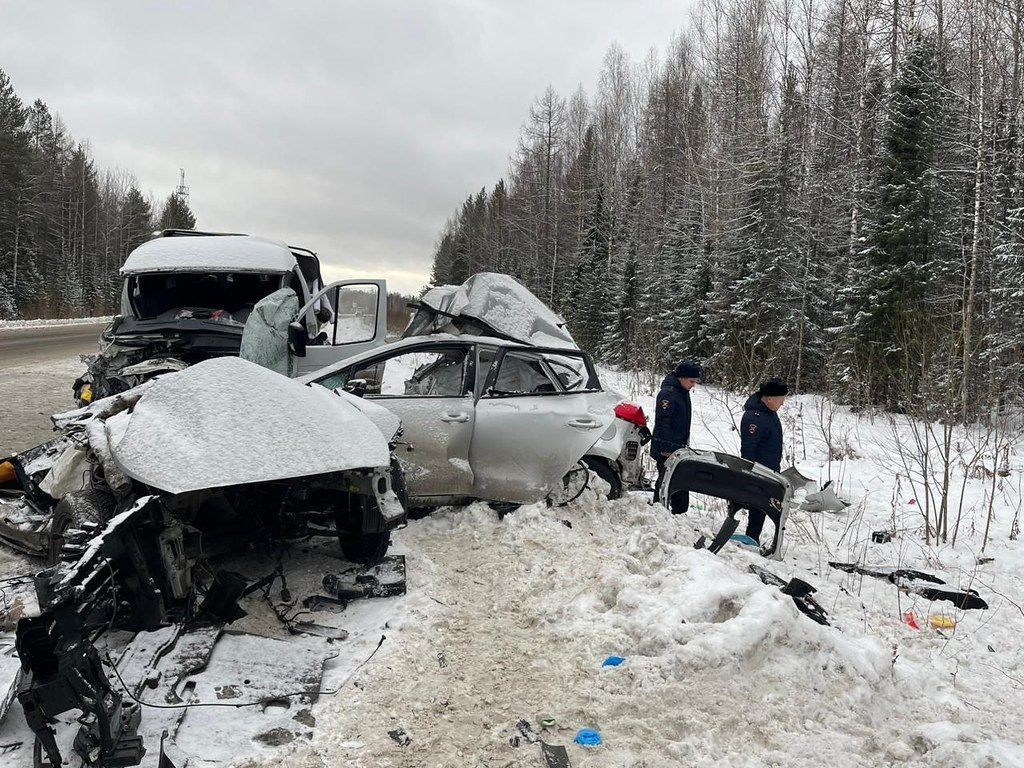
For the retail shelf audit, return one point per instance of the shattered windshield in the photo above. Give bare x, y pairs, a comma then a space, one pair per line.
227, 295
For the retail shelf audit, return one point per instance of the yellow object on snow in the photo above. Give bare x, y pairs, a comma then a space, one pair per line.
6, 472
943, 622
86, 393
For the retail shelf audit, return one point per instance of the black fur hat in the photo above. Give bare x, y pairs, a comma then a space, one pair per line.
772, 388
688, 369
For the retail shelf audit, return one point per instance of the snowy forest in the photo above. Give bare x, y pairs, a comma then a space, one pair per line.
829, 191
65, 225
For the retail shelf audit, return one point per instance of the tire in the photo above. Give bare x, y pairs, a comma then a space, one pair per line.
76, 508
357, 544
365, 547
606, 472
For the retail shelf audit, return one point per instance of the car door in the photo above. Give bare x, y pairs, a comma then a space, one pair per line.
429, 386
355, 320
530, 429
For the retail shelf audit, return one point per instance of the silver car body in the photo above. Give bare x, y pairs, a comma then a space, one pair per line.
483, 417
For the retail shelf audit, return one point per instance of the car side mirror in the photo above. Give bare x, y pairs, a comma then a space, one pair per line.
297, 339
356, 387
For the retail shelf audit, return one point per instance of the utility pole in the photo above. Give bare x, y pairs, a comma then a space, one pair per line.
182, 190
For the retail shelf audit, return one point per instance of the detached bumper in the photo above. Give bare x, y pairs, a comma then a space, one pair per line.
743, 483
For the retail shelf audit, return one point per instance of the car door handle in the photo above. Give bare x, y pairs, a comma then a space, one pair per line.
455, 418
584, 423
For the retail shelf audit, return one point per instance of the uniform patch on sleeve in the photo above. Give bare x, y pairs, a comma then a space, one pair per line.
752, 428
665, 405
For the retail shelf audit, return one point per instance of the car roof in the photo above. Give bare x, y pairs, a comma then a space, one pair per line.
201, 253
437, 339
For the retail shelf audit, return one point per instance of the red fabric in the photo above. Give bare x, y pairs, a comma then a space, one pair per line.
632, 413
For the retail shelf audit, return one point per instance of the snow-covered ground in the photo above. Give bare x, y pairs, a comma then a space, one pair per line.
43, 323
510, 619
720, 669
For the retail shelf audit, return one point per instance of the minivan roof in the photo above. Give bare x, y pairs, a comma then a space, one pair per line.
200, 253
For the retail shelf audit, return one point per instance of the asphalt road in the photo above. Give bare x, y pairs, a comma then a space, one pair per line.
21, 346
37, 368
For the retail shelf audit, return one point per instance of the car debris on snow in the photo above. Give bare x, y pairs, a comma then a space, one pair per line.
181, 474
799, 590
917, 583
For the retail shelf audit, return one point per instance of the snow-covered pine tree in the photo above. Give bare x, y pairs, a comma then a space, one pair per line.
176, 214
890, 324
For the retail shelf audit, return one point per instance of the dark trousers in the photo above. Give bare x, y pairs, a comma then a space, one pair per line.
755, 521
679, 502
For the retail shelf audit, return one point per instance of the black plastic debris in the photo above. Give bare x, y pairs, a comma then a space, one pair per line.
524, 727
909, 581
400, 737
222, 598
799, 590
881, 537
554, 755
385, 579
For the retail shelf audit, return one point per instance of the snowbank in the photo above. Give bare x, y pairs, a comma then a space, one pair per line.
11, 325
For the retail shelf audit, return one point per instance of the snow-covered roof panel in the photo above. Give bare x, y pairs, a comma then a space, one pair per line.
227, 421
221, 253
497, 302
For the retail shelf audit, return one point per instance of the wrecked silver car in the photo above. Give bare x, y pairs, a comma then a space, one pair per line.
144, 494
489, 419
496, 400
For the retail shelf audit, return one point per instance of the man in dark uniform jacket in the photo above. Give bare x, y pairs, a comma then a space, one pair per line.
672, 413
761, 440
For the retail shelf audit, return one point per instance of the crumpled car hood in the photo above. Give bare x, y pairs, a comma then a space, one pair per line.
227, 421
490, 304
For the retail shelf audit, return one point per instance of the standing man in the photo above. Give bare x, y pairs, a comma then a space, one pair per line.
672, 414
761, 440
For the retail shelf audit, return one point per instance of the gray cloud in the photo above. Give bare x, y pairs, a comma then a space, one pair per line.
353, 128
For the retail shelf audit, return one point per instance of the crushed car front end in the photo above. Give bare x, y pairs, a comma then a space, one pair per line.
176, 475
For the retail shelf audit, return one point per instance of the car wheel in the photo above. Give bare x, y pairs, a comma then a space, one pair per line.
362, 533
365, 547
606, 472
74, 510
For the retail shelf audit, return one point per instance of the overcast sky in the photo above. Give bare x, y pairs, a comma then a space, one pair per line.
351, 128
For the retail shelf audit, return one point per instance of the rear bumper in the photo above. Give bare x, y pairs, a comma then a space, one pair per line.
622, 445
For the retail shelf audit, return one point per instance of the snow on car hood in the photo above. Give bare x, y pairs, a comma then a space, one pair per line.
217, 253
227, 421
498, 303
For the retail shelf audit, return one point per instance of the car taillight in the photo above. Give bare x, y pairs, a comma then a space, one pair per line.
632, 413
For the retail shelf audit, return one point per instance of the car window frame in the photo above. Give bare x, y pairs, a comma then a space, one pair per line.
593, 381
468, 375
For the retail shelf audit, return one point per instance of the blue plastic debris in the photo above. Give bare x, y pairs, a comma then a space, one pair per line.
588, 737
613, 661
743, 539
